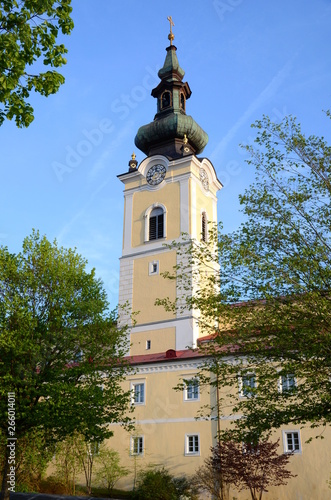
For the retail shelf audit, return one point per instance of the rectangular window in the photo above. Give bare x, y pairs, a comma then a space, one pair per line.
191, 391
156, 227
137, 445
153, 267
247, 384
138, 393
94, 448
251, 448
292, 441
192, 444
287, 383
148, 344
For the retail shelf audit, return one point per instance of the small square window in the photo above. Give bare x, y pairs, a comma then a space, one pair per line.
191, 391
138, 393
192, 444
291, 441
148, 344
247, 384
287, 383
251, 448
137, 445
153, 267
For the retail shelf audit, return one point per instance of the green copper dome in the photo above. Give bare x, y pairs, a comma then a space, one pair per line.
171, 65
173, 132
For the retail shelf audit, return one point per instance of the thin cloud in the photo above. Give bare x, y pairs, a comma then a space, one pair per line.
266, 94
103, 162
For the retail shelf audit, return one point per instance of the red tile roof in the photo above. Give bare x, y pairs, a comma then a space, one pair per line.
169, 355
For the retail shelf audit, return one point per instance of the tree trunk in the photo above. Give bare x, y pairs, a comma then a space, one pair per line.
226, 491
253, 494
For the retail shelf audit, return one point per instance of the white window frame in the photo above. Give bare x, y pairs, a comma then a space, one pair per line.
285, 441
242, 387
147, 216
196, 437
132, 446
94, 448
288, 389
250, 448
151, 268
134, 384
187, 390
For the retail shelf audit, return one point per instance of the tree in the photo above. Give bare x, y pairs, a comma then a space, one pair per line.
207, 479
271, 295
74, 455
61, 351
250, 467
86, 452
31, 461
28, 32
109, 470
67, 464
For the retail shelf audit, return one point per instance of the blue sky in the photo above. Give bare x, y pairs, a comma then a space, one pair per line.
242, 59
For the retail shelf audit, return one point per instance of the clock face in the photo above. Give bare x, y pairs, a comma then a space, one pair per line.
156, 174
204, 179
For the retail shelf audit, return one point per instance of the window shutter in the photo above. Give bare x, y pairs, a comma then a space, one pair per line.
204, 227
152, 228
156, 226
160, 226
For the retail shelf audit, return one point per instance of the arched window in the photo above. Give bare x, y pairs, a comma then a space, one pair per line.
165, 99
204, 226
156, 224
182, 101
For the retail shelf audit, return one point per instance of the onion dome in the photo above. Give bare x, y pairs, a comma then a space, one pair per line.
173, 133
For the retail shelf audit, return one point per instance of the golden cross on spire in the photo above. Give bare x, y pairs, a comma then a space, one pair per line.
171, 36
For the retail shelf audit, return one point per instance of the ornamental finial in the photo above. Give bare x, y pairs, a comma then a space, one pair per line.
171, 36
133, 163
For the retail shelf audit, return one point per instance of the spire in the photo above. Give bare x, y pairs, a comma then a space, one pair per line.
173, 133
171, 36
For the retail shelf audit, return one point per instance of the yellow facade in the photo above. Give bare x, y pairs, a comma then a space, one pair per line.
149, 287
164, 421
182, 201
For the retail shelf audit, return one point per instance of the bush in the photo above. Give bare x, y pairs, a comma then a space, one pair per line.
52, 485
155, 485
159, 484
184, 488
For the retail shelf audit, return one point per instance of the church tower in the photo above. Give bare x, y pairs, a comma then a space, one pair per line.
171, 192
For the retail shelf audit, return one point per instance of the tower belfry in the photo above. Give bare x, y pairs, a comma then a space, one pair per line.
170, 192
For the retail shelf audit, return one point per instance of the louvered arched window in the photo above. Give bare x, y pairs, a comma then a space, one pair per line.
156, 224
204, 226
